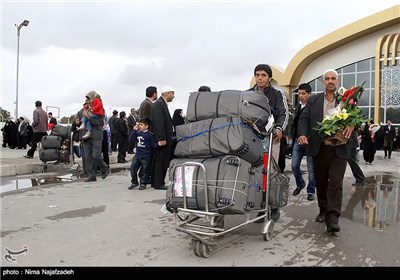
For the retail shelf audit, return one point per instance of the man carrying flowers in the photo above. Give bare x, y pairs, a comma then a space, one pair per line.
329, 160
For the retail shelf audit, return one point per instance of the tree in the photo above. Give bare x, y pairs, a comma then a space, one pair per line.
4, 114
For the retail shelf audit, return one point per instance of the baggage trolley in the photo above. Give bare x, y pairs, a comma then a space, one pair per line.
71, 158
205, 227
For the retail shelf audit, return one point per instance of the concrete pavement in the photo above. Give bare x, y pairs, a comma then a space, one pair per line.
104, 224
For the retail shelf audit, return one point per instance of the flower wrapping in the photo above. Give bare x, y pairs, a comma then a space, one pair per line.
345, 114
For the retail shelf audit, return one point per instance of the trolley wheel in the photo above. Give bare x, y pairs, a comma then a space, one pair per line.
42, 168
201, 249
269, 228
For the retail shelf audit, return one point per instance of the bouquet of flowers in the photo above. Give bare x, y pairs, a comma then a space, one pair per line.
345, 114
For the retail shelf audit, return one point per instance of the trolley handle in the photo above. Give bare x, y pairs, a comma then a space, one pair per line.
191, 163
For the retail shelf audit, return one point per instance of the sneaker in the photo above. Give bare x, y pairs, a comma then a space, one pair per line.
310, 197
275, 214
142, 187
86, 136
26, 156
81, 127
132, 187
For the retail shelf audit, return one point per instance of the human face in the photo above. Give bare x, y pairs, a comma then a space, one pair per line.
303, 95
262, 79
170, 96
142, 127
331, 82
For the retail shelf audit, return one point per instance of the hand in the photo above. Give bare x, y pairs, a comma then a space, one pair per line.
302, 140
162, 143
278, 135
348, 130
85, 114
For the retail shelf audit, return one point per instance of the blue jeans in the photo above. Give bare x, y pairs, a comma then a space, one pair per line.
298, 153
142, 162
88, 125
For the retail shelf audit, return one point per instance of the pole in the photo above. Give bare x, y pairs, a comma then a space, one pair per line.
16, 93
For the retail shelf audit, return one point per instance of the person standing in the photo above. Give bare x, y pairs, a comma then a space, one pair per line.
299, 151
92, 148
389, 137
145, 108
22, 133
177, 119
369, 143
112, 122
39, 125
329, 161
278, 103
162, 129
122, 132
352, 161
132, 119
52, 121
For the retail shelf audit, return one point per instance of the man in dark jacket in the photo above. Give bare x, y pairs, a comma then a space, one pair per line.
39, 125
329, 161
132, 119
280, 110
92, 148
112, 122
162, 129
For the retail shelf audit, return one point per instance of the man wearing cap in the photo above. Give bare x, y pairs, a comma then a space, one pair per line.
280, 110
39, 126
162, 129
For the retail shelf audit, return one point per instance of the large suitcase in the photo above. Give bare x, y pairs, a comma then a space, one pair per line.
217, 137
234, 185
207, 105
51, 142
62, 130
46, 155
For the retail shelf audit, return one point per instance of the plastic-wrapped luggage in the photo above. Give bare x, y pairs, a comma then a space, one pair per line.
217, 137
234, 185
51, 142
253, 105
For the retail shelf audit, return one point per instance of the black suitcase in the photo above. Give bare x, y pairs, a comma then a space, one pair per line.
51, 142
46, 155
61, 130
234, 186
253, 105
217, 137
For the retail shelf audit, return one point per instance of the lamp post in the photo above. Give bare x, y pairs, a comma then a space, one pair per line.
24, 23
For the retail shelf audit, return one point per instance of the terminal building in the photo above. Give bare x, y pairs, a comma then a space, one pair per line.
367, 50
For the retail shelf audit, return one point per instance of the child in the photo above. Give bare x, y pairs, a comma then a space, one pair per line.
146, 141
94, 105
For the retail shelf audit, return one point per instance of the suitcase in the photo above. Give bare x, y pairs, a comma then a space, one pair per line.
52, 142
253, 105
46, 155
234, 186
217, 137
62, 130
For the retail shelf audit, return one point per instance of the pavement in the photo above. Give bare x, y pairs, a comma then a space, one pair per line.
73, 223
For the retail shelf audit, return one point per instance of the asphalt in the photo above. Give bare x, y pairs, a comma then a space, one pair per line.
73, 223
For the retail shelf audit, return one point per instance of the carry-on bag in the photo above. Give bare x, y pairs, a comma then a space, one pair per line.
233, 185
61, 130
217, 137
252, 105
46, 155
51, 142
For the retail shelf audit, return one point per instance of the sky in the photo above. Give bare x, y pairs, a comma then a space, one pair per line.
119, 48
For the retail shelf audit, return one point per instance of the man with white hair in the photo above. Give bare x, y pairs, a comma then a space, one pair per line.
329, 161
162, 129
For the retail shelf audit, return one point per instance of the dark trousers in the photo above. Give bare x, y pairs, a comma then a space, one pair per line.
122, 147
36, 138
161, 162
114, 142
93, 157
104, 148
355, 168
329, 171
388, 148
142, 162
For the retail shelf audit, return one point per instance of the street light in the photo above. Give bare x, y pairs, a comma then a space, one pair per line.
24, 23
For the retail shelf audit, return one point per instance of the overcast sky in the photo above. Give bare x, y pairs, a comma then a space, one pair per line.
118, 48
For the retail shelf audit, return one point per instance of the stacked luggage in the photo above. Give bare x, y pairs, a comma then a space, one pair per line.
56, 146
223, 136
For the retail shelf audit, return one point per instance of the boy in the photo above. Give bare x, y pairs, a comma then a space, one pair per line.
144, 149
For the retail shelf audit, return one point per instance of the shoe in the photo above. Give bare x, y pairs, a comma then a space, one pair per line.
122, 161
132, 187
333, 227
26, 156
104, 173
385, 157
310, 197
389, 157
275, 214
142, 187
297, 191
81, 127
161, 188
91, 179
320, 218
86, 136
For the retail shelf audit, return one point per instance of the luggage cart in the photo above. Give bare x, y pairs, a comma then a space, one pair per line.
205, 226
71, 159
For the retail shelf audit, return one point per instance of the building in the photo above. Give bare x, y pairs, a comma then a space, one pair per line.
367, 50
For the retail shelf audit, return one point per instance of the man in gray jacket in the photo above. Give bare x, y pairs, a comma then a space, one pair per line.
39, 125
92, 147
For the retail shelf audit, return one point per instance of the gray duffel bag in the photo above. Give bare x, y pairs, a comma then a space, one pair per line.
252, 105
218, 137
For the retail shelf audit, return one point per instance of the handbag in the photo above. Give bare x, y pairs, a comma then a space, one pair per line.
278, 187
